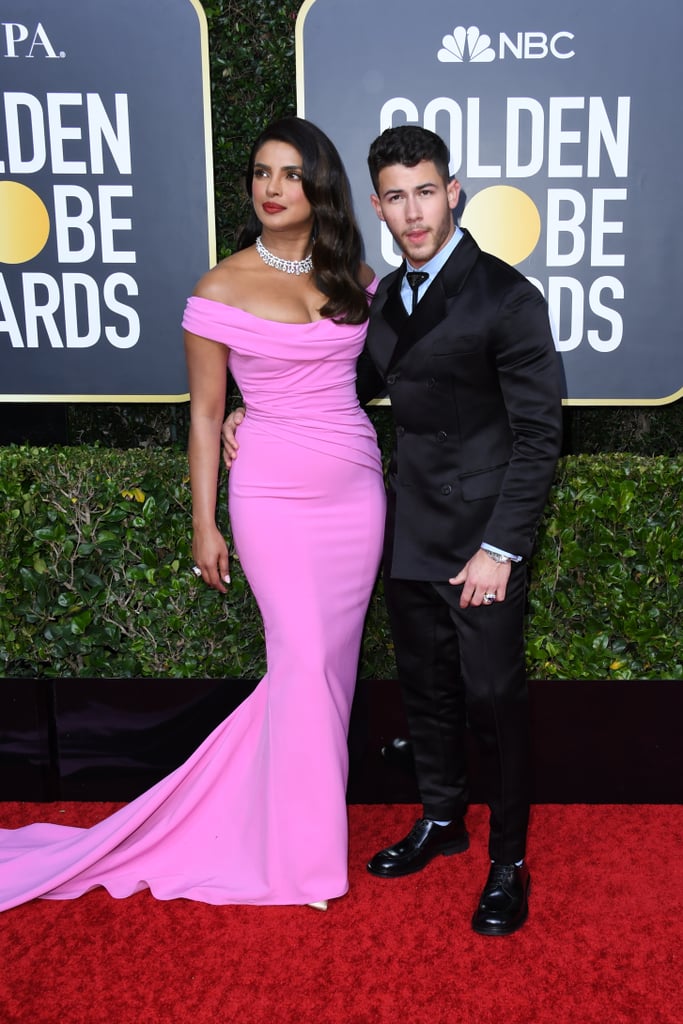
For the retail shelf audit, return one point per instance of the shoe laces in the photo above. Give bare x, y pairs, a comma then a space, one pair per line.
500, 874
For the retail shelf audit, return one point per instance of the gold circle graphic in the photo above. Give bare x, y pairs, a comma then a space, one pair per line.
24, 223
504, 222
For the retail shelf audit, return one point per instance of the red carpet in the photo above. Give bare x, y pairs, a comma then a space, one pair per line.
603, 943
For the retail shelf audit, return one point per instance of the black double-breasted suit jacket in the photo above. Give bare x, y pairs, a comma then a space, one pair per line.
475, 387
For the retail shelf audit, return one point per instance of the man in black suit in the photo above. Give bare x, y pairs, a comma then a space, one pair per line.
462, 343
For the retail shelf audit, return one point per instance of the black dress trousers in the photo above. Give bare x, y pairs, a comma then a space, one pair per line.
462, 668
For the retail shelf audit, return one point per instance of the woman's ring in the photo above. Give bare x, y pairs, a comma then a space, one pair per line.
489, 598
196, 570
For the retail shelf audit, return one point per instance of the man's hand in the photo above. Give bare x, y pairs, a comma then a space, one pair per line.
480, 576
229, 435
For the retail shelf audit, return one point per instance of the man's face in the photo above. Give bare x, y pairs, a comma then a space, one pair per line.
417, 207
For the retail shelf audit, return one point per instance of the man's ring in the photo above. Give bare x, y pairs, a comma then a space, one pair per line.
489, 598
196, 570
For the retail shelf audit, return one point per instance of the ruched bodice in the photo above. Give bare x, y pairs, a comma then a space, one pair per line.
298, 380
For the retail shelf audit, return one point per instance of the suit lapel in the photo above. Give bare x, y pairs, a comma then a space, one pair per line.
394, 312
433, 306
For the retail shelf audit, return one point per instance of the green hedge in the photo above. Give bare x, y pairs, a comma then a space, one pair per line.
95, 549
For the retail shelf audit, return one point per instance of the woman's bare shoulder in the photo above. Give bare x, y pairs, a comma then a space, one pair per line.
225, 281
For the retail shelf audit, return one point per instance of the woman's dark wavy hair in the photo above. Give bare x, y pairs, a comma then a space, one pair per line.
337, 242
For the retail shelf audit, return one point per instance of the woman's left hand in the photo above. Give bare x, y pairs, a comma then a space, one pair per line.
211, 558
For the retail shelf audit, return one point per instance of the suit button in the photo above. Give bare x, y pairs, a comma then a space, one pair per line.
446, 489
431, 382
391, 379
442, 436
400, 431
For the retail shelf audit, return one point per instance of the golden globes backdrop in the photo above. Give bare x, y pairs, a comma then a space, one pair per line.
564, 127
106, 208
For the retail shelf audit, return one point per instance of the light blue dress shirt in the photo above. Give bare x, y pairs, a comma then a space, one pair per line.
432, 267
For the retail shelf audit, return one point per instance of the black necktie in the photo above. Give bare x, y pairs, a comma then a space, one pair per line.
415, 279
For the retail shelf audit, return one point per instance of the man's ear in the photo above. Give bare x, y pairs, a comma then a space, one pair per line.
377, 206
453, 192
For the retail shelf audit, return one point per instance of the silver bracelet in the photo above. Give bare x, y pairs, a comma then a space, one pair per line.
497, 556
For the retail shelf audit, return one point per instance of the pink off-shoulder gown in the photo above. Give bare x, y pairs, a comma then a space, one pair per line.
258, 813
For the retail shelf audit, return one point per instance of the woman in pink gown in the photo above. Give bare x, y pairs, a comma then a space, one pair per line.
258, 813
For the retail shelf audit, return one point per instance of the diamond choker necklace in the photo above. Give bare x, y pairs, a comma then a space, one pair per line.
297, 267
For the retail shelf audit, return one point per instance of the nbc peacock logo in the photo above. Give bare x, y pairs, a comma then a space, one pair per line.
470, 46
466, 45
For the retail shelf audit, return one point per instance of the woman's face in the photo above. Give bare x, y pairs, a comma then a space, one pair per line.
277, 187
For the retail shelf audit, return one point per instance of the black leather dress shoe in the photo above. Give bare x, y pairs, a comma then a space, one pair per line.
425, 841
504, 906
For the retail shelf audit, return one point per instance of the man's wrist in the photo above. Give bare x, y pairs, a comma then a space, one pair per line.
502, 557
